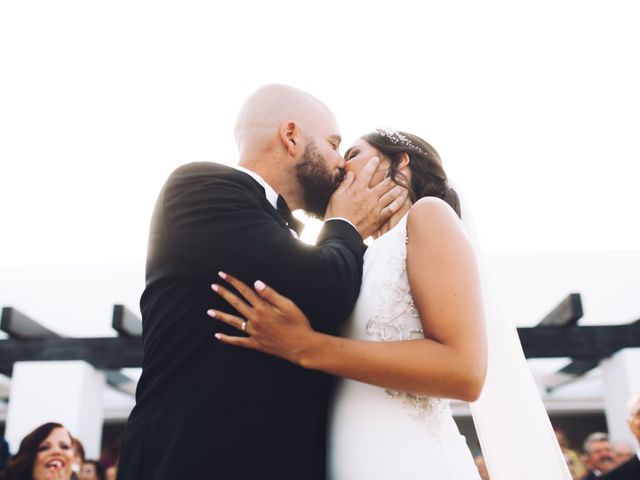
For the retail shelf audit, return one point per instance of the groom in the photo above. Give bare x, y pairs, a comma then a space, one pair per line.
205, 410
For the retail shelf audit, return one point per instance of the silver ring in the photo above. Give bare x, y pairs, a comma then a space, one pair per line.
244, 326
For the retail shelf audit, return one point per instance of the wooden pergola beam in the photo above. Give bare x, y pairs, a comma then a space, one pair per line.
21, 327
580, 343
110, 353
566, 313
591, 343
18, 325
125, 322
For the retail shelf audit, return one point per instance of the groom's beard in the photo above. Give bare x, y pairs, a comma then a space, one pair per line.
317, 182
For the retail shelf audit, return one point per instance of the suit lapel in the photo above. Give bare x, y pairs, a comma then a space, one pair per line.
260, 193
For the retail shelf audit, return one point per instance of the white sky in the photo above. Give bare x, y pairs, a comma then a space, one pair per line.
534, 107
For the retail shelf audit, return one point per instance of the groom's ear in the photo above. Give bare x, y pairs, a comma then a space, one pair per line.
290, 137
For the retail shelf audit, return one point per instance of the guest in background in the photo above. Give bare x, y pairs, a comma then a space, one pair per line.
78, 456
572, 457
630, 470
91, 470
111, 473
45, 454
598, 455
622, 452
110, 452
4, 453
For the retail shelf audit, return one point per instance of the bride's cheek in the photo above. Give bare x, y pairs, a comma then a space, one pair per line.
355, 165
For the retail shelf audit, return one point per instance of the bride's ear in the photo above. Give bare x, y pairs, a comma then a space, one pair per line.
404, 161
290, 137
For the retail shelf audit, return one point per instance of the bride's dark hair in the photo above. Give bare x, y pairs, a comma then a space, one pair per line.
428, 178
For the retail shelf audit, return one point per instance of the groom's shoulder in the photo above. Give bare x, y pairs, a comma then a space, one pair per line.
208, 180
211, 173
203, 170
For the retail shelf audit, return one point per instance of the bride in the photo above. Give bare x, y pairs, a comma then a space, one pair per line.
416, 337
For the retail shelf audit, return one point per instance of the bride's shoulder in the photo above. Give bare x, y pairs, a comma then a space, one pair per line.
430, 210
434, 227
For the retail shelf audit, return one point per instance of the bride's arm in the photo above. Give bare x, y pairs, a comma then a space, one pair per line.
444, 281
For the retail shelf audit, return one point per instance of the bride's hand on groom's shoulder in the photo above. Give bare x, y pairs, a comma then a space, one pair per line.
366, 207
271, 323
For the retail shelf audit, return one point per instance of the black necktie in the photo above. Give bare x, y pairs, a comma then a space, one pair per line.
285, 212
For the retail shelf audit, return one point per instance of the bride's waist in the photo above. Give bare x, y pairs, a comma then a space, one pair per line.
364, 396
359, 407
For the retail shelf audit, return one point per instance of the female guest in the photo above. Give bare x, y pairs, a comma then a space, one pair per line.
91, 470
45, 454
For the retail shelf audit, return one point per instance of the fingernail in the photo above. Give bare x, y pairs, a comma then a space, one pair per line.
214, 287
218, 336
222, 275
211, 313
375, 159
259, 285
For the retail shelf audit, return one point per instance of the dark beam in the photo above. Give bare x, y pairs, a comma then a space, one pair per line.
579, 367
109, 353
121, 382
21, 327
125, 322
581, 343
571, 372
566, 313
112, 353
18, 325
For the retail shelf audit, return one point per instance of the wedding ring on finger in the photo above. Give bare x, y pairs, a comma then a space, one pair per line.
244, 326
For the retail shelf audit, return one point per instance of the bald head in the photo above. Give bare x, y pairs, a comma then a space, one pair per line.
271, 106
291, 140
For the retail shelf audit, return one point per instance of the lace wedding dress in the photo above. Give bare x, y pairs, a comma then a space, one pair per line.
378, 434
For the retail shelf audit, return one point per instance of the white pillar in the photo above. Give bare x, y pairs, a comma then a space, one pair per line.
66, 392
621, 381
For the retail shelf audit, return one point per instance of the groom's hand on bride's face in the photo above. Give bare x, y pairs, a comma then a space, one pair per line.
367, 208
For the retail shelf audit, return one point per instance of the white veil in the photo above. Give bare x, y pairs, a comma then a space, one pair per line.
510, 417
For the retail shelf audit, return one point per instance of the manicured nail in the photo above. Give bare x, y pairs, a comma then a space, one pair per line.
259, 285
214, 287
222, 274
211, 313
218, 336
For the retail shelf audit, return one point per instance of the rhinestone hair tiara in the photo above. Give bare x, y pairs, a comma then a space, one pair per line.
397, 138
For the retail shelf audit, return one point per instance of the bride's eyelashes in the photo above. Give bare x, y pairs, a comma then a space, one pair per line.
351, 154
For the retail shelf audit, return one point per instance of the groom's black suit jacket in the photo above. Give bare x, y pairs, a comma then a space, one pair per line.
205, 410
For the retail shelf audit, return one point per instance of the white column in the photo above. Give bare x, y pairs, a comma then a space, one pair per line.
66, 392
621, 381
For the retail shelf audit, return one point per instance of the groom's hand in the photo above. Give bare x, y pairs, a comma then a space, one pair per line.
367, 208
